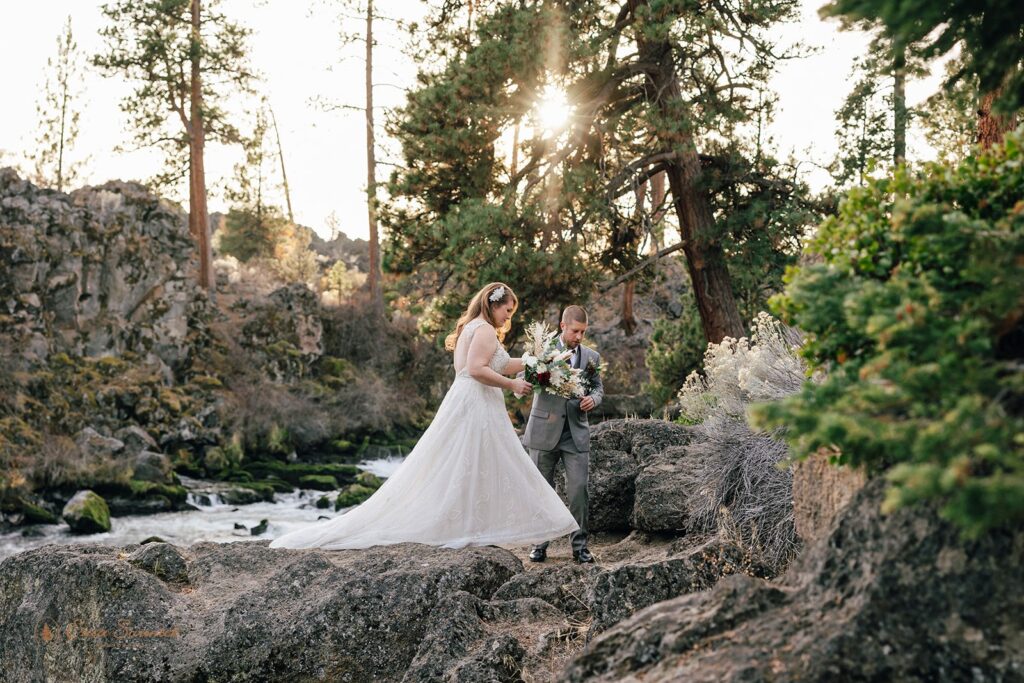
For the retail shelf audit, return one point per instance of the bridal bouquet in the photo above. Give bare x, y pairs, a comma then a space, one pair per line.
546, 367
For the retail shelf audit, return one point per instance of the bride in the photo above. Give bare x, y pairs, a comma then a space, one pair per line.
468, 481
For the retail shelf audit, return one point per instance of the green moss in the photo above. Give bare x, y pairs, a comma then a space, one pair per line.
353, 495
320, 482
369, 480
149, 489
265, 489
214, 460
35, 514
91, 516
278, 441
293, 472
342, 446
171, 400
279, 485
323, 502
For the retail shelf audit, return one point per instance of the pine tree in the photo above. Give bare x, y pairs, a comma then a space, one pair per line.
253, 224
184, 59
987, 32
58, 116
660, 89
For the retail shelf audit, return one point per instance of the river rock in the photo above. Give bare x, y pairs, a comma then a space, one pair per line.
902, 597
87, 513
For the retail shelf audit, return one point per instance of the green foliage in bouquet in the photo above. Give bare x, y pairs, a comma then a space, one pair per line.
915, 309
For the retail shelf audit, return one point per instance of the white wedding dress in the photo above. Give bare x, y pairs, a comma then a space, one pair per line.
467, 482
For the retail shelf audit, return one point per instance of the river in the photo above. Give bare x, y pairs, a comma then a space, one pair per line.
212, 521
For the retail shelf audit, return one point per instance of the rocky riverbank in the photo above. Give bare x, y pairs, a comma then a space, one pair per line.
873, 598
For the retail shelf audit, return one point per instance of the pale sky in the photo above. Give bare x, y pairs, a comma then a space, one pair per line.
295, 47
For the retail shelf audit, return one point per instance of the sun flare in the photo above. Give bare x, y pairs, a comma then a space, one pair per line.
553, 110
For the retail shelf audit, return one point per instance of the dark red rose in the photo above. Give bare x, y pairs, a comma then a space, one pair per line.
544, 378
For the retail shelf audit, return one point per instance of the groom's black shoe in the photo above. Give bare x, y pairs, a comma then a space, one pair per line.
583, 556
538, 555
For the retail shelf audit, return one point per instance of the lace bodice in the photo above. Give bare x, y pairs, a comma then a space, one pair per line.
498, 362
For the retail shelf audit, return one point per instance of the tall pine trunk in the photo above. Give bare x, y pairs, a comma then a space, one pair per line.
899, 102
705, 258
198, 215
284, 174
992, 126
374, 277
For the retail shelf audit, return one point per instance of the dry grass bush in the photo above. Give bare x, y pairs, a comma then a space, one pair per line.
413, 368
737, 485
271, 416
59, 462
392, 380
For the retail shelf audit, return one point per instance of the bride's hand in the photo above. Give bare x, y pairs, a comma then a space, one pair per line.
520, 387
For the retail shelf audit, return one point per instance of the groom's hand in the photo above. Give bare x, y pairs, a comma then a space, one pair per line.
586, 404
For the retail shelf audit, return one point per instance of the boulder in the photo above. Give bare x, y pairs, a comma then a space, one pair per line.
94, 445
902, 597
659, 503
136, 440
621, 452
154, 467
87, 513
242, 611
480, 641
624, 590
821, 491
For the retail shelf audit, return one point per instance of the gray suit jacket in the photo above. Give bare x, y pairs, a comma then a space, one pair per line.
550, 413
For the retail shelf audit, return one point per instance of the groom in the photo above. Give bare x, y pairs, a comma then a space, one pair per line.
558, 430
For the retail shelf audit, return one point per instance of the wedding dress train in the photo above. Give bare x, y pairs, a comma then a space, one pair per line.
467, 482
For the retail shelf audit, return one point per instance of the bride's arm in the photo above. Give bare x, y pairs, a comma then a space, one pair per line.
514, 367
481, 350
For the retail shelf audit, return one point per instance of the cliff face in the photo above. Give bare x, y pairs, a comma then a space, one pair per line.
100, 271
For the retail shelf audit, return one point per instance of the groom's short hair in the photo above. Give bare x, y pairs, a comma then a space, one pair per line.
574, 314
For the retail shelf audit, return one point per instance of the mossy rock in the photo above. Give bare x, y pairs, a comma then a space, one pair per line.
87, 513
293, 472
342, 446
369, 480
265, 490
217, 459
353, 495
35, 514
237, 476
323, 502
186, 463
319, 482
175, 493
279, 485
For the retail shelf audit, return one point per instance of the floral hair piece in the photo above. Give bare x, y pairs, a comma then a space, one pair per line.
497, 295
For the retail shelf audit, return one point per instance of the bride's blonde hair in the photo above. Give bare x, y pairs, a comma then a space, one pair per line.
481, 305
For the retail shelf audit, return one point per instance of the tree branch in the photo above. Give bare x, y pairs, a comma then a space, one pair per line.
651, 260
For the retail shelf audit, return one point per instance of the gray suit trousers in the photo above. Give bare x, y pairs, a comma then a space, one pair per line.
577, 467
